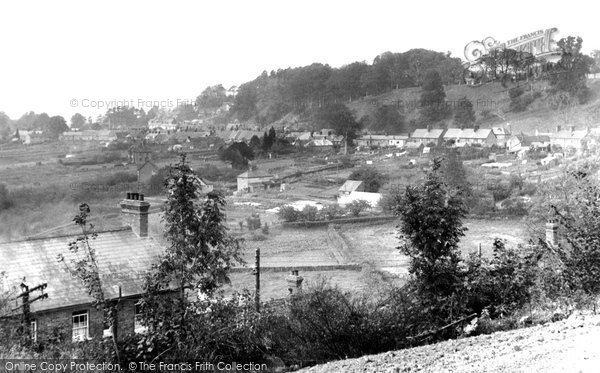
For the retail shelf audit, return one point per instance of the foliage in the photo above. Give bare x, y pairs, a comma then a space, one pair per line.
433, 99
253, 221
454, 173
331, 211
357, 206
579, 252
309, 213
339, 118
265, 229
56, 126
197, 259
430, 229
568, 76
372, 179
5, 200
77, 121
464, 115
238, 154
519, 101
212, 97
389, 119
502, 284
288, 214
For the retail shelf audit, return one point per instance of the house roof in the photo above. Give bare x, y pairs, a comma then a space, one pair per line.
350, 185
148, 163
251, 174
413, 145
566, 134
383, 137
527, 140
123, 258
424, 133
319, 142
500, 131
467, 133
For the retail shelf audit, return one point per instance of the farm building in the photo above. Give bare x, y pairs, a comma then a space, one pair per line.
471, 136
251, 180
352, 186
427, 135
123, 256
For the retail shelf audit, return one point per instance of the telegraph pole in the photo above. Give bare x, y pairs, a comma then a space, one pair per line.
257, 276
26, 305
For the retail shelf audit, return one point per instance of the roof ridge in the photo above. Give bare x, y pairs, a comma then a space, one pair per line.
28, 239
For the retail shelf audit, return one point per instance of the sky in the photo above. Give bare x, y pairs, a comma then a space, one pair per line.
63, 57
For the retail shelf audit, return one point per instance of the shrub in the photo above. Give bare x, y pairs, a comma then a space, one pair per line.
515, 207
309, 213
5, 201
253, 222
265, 229
358, 206
371, 178
331, 211
288, 214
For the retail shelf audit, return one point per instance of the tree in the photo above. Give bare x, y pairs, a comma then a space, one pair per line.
389, 119
430, 230
433, 99
464, 115
212, 97
568, 76
77, 121
372, 179
579, 251
4, 126
56, 126
255, 143
358, 206
238, 154
339, 118
197, 258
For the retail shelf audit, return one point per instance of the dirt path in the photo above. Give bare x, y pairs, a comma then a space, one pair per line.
570, 345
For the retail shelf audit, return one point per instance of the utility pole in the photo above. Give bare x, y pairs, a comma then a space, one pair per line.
26, 305
257, 276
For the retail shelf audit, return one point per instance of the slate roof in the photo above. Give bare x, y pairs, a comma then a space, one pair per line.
251, 174
424, 133
566, 134
350, 186
467, 133
123, 258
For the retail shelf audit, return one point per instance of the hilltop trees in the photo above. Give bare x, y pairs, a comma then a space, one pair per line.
568, 78
433, 99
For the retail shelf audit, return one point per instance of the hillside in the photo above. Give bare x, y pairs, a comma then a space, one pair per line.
564, 346
492, 97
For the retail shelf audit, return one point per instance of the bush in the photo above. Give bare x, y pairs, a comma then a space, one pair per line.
515, 207
371, 178
288, 214
331, 211
309, 213
265, 229
358, 206
253, 222
5, 201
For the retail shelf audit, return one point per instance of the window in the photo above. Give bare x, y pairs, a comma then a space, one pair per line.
137, 324
80, 326
33, 330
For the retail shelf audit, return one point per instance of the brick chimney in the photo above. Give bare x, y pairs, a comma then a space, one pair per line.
551, 232
134, 212
294, 282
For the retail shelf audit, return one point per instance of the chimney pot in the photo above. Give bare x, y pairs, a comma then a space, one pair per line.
128, 195
141, 197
